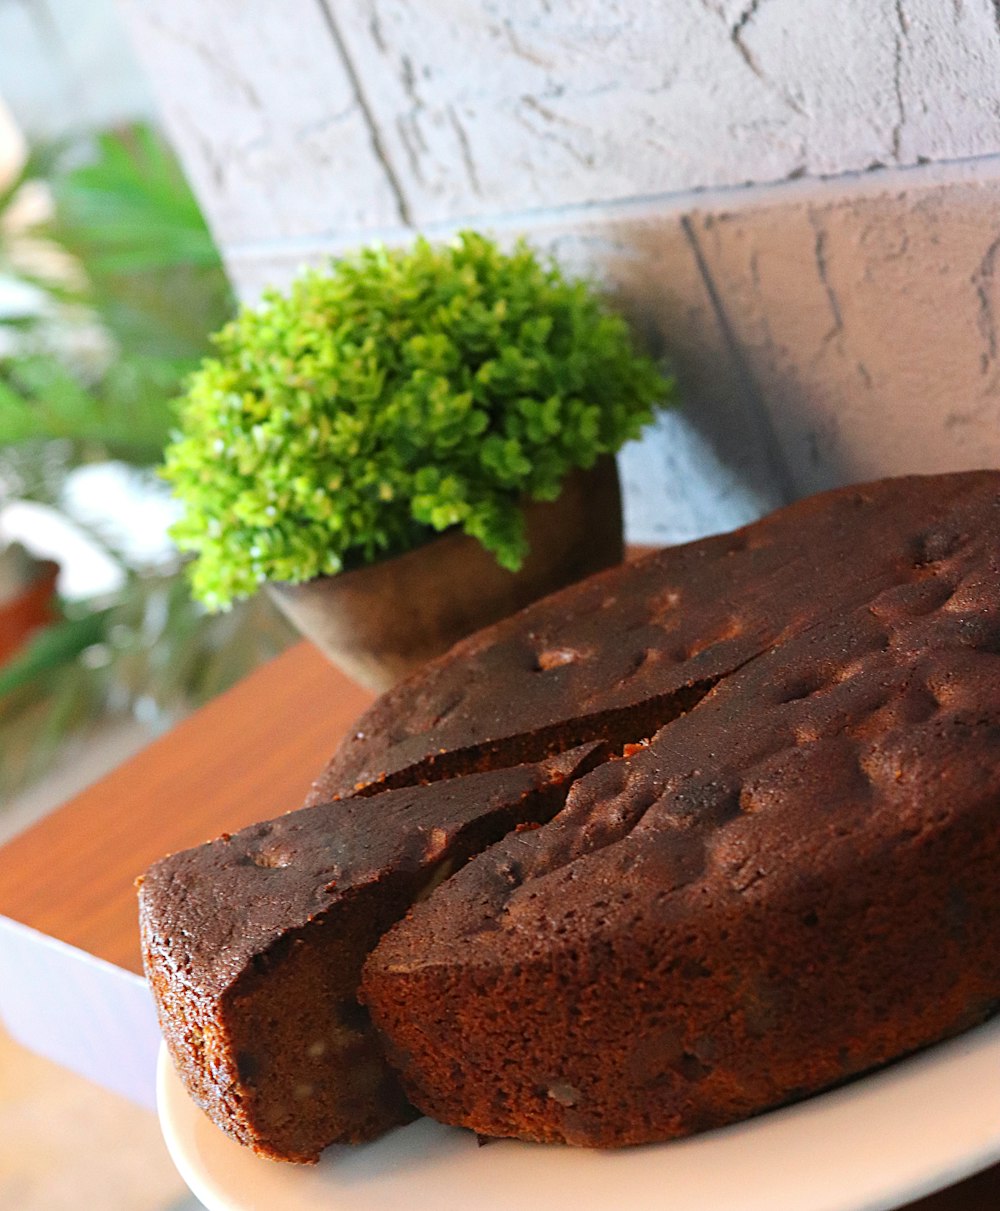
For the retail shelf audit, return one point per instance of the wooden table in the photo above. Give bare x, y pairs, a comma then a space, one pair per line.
71, 982
70, 972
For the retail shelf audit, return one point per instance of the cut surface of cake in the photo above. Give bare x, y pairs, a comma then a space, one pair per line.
693, 838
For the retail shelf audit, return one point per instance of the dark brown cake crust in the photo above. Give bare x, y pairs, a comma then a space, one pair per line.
253, 946
624, 652
784, 872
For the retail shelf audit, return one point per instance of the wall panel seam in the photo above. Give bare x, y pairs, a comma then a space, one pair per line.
399, 197
724, 199
762, 418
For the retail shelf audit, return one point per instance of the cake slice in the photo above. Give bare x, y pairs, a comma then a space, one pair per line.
253, 946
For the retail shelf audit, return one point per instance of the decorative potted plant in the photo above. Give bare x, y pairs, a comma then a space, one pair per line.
408, 445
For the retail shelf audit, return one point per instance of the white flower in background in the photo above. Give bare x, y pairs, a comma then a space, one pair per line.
130, 510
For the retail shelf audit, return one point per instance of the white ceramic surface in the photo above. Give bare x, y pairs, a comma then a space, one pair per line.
913, 1128
93, 1017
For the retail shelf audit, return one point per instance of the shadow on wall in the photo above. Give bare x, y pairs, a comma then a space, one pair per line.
713, 464
867, 321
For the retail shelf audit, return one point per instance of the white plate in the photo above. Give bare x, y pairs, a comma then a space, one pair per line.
917, 1126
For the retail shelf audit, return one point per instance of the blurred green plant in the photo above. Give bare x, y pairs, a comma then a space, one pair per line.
127, 285
115, 283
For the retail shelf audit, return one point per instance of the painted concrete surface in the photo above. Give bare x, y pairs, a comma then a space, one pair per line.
373, 112
67, 67
821, 334
870, 327
263, 111
836, 325
489, 106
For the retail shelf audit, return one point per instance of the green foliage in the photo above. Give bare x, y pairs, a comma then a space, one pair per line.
397, 394
126, 259
153, 272
123, 414
122, 285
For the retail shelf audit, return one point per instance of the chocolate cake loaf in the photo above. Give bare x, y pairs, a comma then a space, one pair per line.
777, 869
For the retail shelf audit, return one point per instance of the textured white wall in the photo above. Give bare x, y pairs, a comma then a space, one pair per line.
66, 65
872, 320
423, 111
500, 105
837, 324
